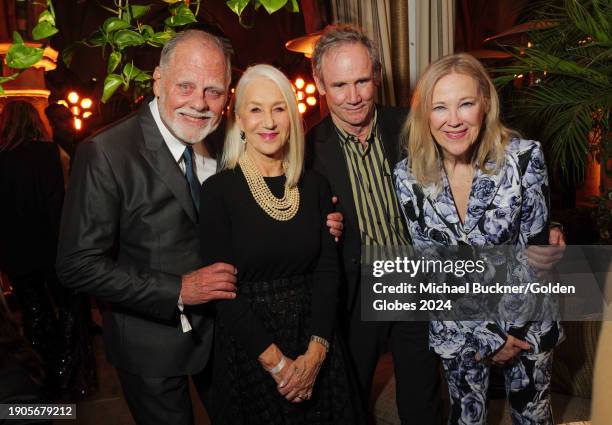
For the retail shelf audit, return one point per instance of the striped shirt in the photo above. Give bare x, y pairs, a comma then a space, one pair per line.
378, 212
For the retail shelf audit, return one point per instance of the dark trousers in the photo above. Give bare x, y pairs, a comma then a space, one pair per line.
417, 376
163, 400
416, 367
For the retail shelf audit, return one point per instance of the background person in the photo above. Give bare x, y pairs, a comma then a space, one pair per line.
32, 191
468, 180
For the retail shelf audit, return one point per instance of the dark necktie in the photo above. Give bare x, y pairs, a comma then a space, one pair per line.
194, 184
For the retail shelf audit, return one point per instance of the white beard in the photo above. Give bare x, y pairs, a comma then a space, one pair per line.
180, 133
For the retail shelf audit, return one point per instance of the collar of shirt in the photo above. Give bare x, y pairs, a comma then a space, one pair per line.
346, 137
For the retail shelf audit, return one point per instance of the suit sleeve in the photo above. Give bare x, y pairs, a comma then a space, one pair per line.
326, 276
88, 235
536, 200
233, 316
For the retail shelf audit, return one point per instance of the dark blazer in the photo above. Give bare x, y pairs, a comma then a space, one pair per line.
31, 196
129, 231
324, 154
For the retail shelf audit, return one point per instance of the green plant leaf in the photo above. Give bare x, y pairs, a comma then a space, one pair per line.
98, 38
142, 77
183, 16
162, 37
238, 6
114, 24
17, 38
46, 16
68, 53
20, 56
111, 84
114, 60
43, 30
583, 20
140, 11
147, 31
125, 38
272, 6
130, 71
294, 7
126, 15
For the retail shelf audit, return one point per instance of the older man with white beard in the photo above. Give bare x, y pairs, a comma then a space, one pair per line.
129, 232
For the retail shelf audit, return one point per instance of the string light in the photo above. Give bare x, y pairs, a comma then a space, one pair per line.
304, 93
79, 113
73, 97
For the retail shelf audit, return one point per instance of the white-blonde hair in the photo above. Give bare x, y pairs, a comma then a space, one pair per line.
234, 147
424, 157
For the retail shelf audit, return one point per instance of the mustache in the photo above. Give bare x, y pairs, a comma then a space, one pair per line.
196, 114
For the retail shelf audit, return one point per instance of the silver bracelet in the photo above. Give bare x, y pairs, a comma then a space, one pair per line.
321, 340
279, 366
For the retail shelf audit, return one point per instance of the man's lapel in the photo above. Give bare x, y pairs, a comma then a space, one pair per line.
161, 160
331, 158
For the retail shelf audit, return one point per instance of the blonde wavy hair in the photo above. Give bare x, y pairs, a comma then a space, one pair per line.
234, 148
424, 155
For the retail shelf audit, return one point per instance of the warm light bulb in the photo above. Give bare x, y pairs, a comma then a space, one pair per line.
310, 88
311, 100
299, 83
301, 107
86, 103
300, 95
78, 124
73, 97
75, 110
62, 102
87, 114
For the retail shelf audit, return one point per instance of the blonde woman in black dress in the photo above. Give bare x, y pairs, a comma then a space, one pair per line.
277, 357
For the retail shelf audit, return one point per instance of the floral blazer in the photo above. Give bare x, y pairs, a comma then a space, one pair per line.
510, 207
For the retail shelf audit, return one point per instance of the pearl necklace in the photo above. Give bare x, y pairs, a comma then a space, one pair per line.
280, 209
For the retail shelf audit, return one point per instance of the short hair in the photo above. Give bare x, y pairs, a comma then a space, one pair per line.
20, 123
424, 156
335, 35
234, 148
205, 37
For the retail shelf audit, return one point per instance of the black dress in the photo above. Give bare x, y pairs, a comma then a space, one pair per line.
287, 291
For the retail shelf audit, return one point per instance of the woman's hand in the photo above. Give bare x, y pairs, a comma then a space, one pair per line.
508, 351
299, 379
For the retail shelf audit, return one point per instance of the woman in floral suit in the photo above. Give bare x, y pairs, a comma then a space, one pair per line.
468, 180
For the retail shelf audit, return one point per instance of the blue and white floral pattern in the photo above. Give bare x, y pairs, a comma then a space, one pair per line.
509, 207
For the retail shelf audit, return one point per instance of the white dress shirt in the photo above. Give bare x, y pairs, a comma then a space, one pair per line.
205, 166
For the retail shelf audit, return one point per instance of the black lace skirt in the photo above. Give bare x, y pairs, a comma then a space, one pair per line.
244, 393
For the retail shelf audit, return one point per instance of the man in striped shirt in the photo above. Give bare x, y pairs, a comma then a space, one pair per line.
356, 148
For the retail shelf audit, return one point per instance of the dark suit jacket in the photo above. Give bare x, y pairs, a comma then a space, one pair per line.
129, 231
31, 196
324, 153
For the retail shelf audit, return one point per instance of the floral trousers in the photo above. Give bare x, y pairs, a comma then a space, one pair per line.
527, 381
